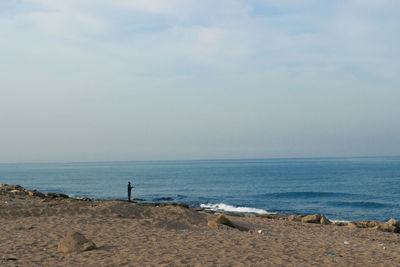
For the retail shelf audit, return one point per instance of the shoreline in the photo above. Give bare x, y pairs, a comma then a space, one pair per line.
34, 227
392, 225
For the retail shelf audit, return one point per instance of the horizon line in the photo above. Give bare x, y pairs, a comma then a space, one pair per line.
210, 159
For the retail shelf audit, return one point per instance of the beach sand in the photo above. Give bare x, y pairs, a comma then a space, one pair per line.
134, 234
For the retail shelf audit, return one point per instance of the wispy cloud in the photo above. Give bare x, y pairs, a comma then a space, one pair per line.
264, 69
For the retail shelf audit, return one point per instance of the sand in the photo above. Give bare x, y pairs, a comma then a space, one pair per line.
134, 234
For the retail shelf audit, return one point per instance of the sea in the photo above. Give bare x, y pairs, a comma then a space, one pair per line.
343, 189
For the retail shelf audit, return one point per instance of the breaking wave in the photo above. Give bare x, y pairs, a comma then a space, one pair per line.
228, 208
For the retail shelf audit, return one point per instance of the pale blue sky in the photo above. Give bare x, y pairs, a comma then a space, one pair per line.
93, 80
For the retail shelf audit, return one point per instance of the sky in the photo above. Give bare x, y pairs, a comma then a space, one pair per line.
113, 80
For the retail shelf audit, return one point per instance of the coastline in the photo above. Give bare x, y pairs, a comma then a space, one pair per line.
174, 234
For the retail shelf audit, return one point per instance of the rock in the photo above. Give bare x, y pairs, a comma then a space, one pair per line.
75, 242
221, 219
35, 193
390, 226
324, 220
352, 224
56, 195
363, 224
395, 222
216, 226
340, 223
316, 218
295, 218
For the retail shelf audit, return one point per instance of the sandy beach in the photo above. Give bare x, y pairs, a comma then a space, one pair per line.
139, 234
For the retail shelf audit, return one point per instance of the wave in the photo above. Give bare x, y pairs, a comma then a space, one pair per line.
225, 207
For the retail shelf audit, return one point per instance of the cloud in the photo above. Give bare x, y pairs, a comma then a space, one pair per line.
198, 70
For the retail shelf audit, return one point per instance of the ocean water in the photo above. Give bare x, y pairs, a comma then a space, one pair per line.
343, 189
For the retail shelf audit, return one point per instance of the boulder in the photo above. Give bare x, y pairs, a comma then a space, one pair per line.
390, 226
394, 222
35, 193
315, 218
295, 218
221, 219
324, 220
216, 226
352, 224
340, 223
75, 242
363, 224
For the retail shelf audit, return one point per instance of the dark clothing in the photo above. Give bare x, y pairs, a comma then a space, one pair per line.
129, 191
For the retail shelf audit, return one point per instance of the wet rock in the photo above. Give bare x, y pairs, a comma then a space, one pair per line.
75, 242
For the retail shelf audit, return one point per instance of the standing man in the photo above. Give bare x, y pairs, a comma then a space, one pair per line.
129, 191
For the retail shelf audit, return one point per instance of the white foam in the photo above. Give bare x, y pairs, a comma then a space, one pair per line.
342, 221
226, 207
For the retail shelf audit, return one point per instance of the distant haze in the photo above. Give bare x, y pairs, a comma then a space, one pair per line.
103, 80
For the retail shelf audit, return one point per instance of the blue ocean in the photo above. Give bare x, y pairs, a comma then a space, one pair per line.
344, 189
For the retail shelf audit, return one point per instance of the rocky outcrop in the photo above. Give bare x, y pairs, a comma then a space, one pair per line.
392, 225
36, 193
17, 190
75, 242
315, 218
295, 218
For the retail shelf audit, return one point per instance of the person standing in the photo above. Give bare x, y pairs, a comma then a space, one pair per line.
129, 191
